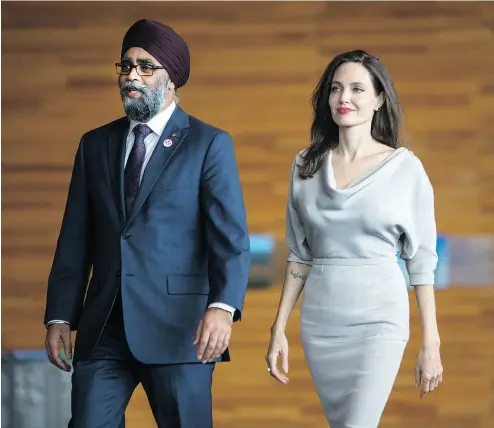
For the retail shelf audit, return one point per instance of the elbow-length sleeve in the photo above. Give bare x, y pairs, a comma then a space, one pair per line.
420, 237
296, 240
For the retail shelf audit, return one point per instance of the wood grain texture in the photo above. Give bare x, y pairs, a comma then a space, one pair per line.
254, 67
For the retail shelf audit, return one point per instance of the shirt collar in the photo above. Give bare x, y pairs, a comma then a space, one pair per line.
158, 122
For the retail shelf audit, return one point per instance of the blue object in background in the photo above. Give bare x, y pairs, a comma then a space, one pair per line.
30, 355
442, 275
262, 247
443, 271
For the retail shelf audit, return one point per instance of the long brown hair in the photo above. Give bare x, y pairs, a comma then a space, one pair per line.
386, 123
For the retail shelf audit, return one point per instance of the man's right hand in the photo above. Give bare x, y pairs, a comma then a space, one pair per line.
57, 334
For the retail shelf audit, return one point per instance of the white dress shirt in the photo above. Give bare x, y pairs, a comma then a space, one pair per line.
157, 124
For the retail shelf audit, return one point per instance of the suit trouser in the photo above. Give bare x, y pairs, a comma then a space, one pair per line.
179, 394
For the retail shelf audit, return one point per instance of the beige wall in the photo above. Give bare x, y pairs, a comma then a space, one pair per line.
254, 67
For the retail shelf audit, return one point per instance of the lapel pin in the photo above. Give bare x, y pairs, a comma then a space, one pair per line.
167, 143
174, 135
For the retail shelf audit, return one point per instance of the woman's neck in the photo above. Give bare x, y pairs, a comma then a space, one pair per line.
355, 141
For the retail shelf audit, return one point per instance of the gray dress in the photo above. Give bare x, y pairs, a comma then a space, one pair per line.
355, 309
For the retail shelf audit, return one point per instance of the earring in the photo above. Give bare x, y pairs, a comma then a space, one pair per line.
376, 109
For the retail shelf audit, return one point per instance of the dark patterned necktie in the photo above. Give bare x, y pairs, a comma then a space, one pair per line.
132, 174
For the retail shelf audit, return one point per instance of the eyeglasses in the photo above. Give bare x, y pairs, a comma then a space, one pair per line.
142, 69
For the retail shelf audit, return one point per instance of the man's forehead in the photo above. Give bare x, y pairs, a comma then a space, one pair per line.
139, 55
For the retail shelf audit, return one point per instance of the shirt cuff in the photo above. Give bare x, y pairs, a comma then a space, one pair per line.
57, 322
223, 306
292, 257
421, 278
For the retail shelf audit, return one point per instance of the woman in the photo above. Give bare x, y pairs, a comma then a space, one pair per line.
355, 201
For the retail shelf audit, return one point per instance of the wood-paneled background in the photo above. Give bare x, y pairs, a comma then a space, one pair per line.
254, 67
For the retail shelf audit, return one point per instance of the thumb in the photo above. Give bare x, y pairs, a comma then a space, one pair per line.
284, 363
67, 343
198, 333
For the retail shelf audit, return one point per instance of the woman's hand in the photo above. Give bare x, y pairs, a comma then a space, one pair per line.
428, 369
278, 346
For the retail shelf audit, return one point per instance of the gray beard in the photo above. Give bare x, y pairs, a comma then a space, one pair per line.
148, 105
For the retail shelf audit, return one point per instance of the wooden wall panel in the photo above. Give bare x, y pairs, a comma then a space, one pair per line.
254, 67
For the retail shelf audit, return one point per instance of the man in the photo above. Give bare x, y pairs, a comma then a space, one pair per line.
155, 210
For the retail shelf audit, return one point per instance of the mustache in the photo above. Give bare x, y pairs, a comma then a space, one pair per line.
133, 86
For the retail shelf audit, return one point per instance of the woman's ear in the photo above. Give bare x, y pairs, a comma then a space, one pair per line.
380, 101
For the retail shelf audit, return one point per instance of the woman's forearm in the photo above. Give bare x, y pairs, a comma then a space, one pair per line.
296, 274
427, 308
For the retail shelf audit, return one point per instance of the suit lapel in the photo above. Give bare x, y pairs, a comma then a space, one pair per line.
116, 158
176, 130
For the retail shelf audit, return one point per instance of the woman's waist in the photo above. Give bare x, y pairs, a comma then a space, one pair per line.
357, 272
355, 261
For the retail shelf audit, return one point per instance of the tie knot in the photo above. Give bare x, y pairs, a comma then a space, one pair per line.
141, 131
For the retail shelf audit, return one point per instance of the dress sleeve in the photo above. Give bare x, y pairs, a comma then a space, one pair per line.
296, 240
420, 238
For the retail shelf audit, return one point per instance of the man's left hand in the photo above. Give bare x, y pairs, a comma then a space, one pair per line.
213, 334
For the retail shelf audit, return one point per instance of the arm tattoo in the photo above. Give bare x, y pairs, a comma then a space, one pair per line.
297, 275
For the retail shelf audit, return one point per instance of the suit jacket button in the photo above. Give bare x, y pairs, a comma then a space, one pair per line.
118, 273
126, 235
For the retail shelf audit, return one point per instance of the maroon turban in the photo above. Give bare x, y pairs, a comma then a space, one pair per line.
164, 44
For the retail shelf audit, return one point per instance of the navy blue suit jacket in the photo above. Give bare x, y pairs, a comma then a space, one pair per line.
184, 246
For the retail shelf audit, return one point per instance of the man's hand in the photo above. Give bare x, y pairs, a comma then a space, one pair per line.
213, 334
57, 334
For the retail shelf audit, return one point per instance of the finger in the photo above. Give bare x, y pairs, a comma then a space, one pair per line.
218, 347
284, 363
203, 342
436, 383
198, 333
440, 377
273, 368
280, 377
425, 384
224, 345
52, 349
211, 346
47, 348
272, 357
67, 343
55, 355
432, 384
48, 352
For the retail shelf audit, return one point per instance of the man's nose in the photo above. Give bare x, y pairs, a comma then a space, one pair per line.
133, 75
